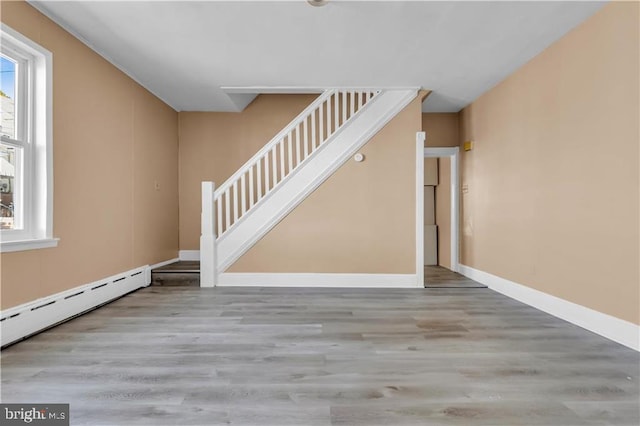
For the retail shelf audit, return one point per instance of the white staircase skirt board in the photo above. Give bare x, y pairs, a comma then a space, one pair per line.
148, 269
620, 331
304, 180
29, 318
238, 279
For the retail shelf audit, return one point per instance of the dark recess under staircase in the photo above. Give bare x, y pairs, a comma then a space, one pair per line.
183, 273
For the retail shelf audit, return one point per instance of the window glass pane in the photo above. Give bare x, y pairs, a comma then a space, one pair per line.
8, 161
7, 97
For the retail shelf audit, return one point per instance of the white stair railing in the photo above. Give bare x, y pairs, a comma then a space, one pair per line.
284, 154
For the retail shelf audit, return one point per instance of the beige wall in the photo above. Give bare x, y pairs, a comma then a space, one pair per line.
552, 200
441, 128
442, 131
213, 145
362, 219
112, 141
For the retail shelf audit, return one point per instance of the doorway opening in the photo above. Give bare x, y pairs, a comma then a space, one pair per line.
438, 217
441, 217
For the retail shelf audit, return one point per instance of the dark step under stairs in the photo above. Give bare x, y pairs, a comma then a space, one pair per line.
182, 273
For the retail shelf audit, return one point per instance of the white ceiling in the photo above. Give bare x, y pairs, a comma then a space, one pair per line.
188, 52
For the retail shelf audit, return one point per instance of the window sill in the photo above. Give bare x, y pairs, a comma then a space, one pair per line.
9, 246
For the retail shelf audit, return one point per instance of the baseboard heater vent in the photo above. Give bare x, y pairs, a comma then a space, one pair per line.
30, 318
98, 286
74, 295
44, 305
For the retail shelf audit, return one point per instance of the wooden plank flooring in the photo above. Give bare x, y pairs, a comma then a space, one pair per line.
437, 277
286, 356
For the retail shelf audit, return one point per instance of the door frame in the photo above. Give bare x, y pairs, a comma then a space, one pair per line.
453, 153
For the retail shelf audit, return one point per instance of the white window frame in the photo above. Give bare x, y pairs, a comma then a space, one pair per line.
34, 134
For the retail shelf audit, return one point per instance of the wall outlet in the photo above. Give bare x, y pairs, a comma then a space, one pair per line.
156, 185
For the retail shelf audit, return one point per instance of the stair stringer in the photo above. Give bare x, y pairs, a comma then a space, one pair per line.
257, 222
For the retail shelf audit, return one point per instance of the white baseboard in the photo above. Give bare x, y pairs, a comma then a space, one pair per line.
189, 254
620, 331
26, 319
242, 279
238, 279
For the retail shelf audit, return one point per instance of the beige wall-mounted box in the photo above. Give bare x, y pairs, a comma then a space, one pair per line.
429, 205
430, 245
430, 171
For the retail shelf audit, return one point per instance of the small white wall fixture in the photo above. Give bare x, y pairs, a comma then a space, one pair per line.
454, 154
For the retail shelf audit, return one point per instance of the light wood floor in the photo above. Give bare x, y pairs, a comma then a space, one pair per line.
282, 356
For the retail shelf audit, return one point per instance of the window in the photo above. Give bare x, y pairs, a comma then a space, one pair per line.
26, 208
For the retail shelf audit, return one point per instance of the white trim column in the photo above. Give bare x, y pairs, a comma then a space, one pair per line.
455, 210
208, 237
420, 138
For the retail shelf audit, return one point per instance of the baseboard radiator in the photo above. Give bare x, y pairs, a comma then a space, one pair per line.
27, 319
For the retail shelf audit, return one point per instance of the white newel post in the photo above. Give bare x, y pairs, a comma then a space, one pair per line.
208, 237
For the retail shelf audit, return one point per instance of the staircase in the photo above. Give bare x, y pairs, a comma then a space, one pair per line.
287, 170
